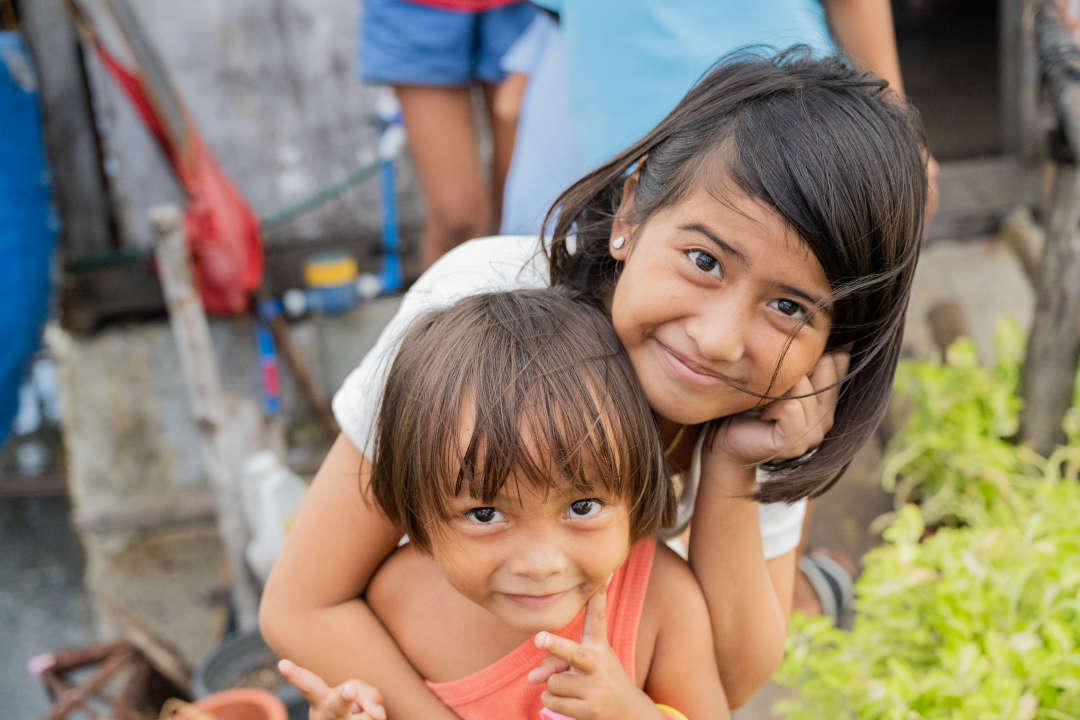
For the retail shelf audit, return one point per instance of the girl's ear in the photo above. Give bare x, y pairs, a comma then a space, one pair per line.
621, 229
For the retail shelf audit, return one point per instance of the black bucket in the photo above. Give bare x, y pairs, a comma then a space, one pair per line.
247, 661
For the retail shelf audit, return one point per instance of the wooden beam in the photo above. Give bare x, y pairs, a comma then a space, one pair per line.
220, 435
71, 143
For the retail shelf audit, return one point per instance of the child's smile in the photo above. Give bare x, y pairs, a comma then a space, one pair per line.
531, 558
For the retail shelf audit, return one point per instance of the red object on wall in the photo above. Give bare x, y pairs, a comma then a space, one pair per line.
222, 231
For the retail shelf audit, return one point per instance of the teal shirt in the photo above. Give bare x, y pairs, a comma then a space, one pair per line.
631, 61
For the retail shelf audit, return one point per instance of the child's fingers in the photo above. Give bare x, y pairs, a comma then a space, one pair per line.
341, 703
369, 700
574, 654
569, 685
570, 707
310, 685
595, 632
547, 667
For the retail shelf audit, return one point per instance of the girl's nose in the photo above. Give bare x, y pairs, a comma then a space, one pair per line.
537, 560
720, 330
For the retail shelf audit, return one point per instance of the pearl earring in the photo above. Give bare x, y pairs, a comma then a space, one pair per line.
618, 242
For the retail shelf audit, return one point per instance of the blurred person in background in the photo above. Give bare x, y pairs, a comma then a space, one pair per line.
433, 53
602, 72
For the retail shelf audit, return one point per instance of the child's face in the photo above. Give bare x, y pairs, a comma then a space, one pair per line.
532, 559
707, 300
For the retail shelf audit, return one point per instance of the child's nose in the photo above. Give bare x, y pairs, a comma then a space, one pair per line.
537, 560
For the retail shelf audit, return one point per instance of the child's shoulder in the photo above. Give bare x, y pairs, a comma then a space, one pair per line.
671, 579
672, 587
392, 591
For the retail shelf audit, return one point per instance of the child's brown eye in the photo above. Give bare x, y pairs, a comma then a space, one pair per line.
484, 515
585, 508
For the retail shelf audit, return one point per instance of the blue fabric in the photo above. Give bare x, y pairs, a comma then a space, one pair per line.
404, 43
625, 65
27, 225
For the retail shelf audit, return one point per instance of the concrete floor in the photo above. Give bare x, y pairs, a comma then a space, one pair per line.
42, 602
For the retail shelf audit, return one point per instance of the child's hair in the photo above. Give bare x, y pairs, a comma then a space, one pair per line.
532, 384
837, 156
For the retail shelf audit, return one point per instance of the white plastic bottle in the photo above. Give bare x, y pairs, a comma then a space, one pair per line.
271, 495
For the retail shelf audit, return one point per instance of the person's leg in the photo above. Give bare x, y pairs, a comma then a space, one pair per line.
503, 131
440, 126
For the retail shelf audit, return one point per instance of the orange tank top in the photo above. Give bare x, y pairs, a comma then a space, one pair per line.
501, 690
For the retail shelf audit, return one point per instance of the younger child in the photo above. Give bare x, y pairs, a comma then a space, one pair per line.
518, 453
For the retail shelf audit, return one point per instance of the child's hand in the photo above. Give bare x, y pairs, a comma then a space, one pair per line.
787, 428
351, 700
585, 680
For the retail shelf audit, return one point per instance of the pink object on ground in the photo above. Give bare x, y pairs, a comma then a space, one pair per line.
40, 663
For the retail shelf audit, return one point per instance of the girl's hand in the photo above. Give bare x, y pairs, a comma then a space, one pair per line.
790, 427
351, 700
585, 680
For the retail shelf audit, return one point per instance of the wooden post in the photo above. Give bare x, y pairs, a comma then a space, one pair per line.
1049, 374
70, 136
208, 401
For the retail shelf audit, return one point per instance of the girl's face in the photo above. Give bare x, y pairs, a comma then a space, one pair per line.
709, 296
531, 558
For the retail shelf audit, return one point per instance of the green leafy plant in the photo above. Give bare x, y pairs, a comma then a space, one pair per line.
976, 622
955, 454
980, 619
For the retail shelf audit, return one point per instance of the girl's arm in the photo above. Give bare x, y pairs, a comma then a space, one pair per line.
311, 612
864, 31
749, 597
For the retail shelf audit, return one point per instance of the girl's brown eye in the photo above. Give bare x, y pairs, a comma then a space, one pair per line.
705, 262
789, 307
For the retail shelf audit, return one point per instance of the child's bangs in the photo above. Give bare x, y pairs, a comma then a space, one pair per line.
551, 431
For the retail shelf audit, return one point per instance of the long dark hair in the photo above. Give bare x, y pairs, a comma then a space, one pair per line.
838, 156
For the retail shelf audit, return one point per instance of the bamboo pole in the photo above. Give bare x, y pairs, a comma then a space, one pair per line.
208, 402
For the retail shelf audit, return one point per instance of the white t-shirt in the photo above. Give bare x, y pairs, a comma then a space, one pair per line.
493, 264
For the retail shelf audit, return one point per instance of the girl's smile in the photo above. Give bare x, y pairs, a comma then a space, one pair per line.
712, 295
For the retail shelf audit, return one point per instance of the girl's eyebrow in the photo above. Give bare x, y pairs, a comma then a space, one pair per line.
817, 302
698, 227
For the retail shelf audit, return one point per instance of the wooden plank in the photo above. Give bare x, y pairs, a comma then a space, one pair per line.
70, 135
147, 514
124, 286
976, 195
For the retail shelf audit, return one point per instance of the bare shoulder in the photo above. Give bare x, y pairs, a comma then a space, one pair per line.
392, 593
681, 671
672, 586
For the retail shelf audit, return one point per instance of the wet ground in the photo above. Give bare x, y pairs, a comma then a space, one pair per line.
42, 602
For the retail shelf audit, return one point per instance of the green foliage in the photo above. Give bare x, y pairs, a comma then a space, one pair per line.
970, 622
975, 622
954, 454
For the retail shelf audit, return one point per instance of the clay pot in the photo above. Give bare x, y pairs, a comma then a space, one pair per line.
243, 704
